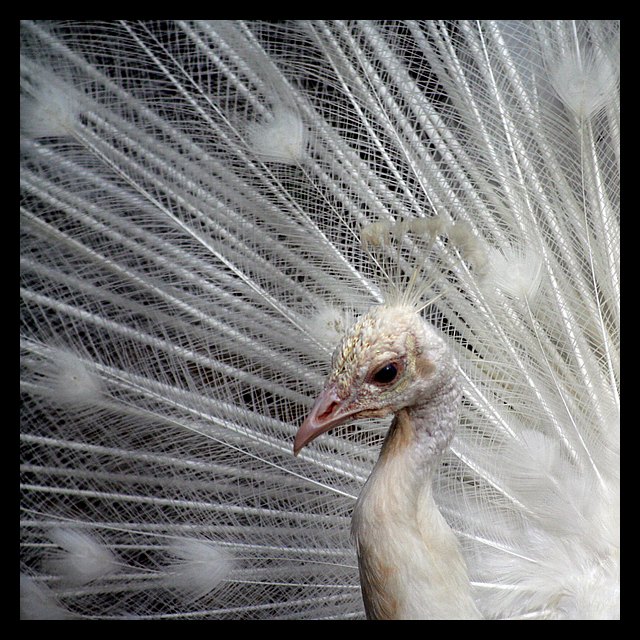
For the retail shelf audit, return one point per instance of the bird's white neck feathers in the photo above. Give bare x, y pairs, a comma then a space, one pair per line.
410, 561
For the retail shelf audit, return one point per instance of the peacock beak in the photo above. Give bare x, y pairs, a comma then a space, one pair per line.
328, 411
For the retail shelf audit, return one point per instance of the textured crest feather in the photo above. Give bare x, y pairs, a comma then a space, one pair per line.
413, 254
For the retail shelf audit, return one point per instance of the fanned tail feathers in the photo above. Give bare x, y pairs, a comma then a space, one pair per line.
206, 206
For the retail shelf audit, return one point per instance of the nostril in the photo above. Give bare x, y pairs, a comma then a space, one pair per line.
328, 410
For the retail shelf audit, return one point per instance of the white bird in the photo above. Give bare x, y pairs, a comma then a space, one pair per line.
410, 563
210, 210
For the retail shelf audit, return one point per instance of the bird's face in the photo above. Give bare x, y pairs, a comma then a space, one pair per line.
384, 363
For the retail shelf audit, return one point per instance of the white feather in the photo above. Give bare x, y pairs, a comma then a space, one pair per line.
193, 197
80, 558
49, 107
280, 138
199, 567
37, 602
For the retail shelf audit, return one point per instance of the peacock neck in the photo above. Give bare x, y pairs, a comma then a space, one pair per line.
410, 561
413, 448
422, 432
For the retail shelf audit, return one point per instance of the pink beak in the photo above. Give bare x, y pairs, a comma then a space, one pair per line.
327, 412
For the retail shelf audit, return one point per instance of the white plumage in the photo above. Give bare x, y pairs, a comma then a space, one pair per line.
208, 207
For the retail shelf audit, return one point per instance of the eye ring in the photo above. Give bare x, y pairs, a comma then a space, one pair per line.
386, 374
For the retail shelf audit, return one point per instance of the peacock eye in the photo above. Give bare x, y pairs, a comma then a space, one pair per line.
386, 374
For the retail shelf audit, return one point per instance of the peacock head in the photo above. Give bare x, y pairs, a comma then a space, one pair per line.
388, 360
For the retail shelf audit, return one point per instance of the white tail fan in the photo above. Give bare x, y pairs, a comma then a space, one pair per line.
207, 206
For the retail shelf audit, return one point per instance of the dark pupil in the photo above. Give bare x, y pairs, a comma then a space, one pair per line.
386, 374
